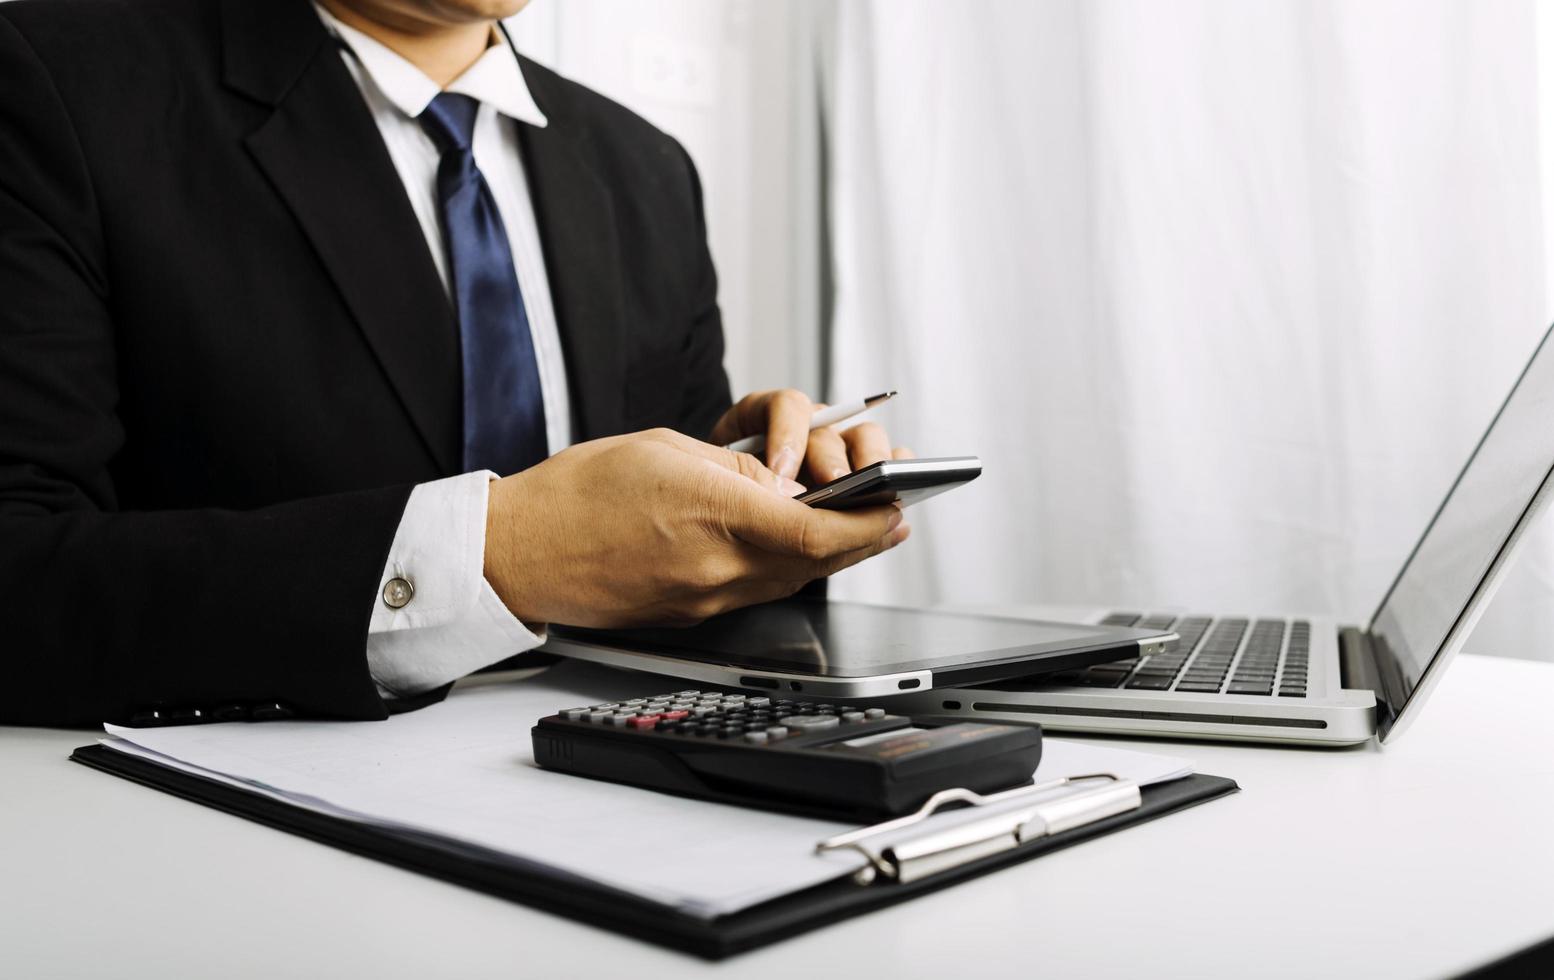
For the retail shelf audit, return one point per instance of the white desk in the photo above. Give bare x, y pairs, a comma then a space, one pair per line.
1422, 860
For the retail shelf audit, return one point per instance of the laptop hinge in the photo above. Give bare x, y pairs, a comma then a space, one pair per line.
1361, 667
1356, 661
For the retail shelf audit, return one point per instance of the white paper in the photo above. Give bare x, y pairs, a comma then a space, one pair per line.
463, 770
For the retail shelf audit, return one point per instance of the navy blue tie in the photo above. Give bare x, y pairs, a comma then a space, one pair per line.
504, 413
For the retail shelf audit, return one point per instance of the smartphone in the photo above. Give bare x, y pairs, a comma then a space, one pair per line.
894, 480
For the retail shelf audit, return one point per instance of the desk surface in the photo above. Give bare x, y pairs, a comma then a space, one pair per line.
1420, 860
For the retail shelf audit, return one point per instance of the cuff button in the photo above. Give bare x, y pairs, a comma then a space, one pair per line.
397, 593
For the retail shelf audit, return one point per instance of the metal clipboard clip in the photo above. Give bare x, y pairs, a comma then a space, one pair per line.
904, 858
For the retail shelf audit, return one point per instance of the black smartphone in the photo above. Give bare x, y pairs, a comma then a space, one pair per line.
892, 480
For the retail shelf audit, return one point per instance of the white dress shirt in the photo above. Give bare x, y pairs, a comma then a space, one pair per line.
454, 623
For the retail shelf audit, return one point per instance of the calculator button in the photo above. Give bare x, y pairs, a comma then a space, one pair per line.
776, 733
598, 717
609, 706
642, 722
575, 714
618, 720
686, 694
873, 713
675, 715
756, 738
809, 723
760, 702
852, 717
701, 712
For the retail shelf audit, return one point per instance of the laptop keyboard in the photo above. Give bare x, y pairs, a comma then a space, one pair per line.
1206, 661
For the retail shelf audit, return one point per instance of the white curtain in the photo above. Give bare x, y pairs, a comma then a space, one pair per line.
1223, 293
735, 82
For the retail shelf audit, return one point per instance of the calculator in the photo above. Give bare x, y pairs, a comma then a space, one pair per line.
801, 757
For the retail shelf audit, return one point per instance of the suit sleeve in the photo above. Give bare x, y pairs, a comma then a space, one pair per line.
707, 391
110, 613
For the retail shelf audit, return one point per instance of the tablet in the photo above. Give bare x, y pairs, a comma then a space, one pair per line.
817, 647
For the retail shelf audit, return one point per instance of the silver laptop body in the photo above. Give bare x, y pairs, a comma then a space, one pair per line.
1312, 680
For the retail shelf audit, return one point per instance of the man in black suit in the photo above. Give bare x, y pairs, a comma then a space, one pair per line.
283, 288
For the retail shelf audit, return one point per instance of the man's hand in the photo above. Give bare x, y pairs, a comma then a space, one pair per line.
656, 527
826, 453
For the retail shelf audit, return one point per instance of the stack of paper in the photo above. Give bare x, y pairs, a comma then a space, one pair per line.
462, 772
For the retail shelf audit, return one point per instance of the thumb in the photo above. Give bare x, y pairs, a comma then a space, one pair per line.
747, 465
791, 529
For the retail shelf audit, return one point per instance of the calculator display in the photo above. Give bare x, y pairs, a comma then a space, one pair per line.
880, 737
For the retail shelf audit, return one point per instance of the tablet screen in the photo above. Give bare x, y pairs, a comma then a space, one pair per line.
845, 639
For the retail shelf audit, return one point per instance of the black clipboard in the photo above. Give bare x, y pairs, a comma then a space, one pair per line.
564, 894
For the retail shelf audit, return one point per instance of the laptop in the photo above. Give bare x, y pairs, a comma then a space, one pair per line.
1281, 678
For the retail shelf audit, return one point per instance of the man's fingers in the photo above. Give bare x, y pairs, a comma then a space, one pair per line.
726, 429
867, 444
787, 430
772, 575
751, 468
782, 415
834, 454
788, 568
746, 418
742, 463
831, 566
793, 529
827, 455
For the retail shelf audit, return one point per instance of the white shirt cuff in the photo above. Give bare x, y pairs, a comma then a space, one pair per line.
453, 622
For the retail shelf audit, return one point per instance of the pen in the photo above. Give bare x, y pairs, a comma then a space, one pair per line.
830, 415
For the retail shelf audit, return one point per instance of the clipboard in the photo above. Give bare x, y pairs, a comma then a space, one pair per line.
894, 874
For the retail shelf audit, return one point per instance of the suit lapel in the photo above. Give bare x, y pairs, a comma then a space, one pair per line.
323, 153
576, 216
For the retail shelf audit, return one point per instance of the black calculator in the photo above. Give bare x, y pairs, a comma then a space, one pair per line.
819, 759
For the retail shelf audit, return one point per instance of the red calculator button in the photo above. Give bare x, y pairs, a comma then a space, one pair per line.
674, 715
643, 721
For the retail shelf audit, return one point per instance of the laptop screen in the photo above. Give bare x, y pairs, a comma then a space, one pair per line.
1476, 523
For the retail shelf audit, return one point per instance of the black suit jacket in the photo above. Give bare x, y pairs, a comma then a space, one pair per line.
226, 356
